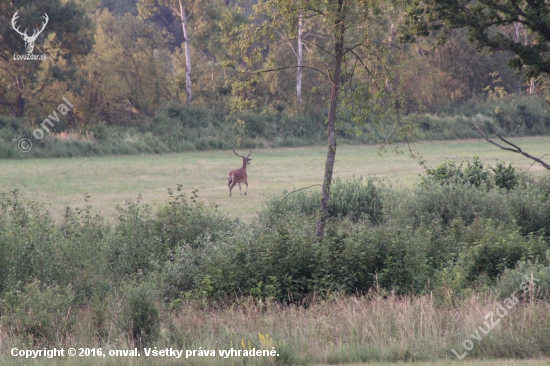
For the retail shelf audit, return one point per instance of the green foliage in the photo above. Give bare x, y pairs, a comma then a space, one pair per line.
491, 250
512, 278
120, 88
481, 20
475, 174
433, 237
27, 84
505, 176
40, 314
356, 200
140, 315
353, 199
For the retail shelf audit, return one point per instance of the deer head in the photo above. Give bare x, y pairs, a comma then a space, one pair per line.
246, 159
29, 40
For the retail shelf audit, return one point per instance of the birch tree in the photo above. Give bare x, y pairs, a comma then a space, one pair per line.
148, 8
352, 62
300, 58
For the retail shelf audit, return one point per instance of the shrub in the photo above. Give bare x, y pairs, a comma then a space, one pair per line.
489, 250
512, 278
140, 315
505, 177
354, 199
132, 248
433, 202
41, 315
530, 208
475, 174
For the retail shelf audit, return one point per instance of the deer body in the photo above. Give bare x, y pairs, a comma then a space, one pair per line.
239, 175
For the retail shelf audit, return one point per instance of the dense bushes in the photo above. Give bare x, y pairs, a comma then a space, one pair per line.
175, 128
449, 234
475, 174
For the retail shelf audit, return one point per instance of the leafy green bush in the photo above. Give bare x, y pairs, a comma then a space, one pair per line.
511, 279
140, 315
475, 174
530, 209
434, 202
40, 314
433, 236
354, 199
490, 250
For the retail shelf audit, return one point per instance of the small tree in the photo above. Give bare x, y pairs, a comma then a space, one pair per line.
352, 59
148, 8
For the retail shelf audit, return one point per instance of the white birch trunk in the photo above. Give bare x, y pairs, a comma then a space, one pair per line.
389, 83
187, 52
525, 42
300, 57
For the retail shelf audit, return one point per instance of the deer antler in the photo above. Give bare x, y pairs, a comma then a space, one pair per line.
37, 32
241, 156
24, 34
15, 16
44, 24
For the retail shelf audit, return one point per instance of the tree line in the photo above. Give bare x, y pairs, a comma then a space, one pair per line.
123, 59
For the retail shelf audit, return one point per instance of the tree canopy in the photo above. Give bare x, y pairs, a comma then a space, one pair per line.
67, 37
518, 26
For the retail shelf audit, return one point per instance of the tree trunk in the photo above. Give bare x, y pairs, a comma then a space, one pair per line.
20, 111
517, 27
187, 52
300, 59
20, 107
339, 31
532, 86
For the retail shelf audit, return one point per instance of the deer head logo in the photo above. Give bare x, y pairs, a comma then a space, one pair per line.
29, 40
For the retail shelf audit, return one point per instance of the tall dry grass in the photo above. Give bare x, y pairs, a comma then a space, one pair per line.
340, 330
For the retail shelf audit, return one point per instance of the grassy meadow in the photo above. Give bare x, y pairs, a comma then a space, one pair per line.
410, 279
111, 180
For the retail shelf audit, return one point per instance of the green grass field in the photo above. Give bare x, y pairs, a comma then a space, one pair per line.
112, 180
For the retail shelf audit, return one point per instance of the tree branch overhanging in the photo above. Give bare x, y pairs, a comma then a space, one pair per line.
516, 149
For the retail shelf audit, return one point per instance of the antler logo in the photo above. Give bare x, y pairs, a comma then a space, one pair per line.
29, 40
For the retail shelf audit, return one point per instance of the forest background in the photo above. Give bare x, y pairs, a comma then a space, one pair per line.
123, 64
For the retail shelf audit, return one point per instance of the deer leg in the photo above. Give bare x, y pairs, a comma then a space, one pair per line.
240, 190
246, 191
230, 184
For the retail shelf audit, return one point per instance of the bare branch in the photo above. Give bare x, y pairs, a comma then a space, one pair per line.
318, 46
297, 190
530, 166
516, 149
294, 67
287, 40
365, 67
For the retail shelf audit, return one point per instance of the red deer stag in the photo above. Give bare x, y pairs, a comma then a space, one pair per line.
239, 175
